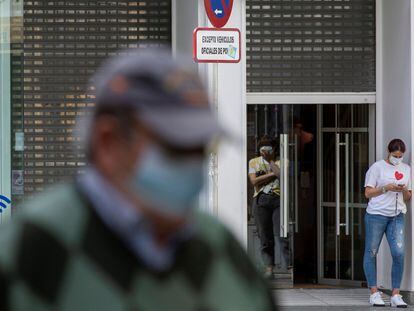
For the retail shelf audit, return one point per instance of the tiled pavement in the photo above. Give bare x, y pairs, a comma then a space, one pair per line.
326, 299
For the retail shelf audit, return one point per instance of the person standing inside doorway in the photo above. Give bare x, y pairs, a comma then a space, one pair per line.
388, 187
264, 172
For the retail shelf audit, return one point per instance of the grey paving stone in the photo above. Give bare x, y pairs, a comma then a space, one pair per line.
341, 308
327, 299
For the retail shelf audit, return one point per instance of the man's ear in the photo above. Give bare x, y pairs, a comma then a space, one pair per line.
106, 143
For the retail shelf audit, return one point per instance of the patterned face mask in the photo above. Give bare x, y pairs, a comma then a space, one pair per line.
266, 149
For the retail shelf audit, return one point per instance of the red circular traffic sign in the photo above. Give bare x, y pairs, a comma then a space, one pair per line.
218, 11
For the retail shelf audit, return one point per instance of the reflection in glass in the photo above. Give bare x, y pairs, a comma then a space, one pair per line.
344, 115
298, 124
343, 253
328, 170
360, 160
329, 243
328, 116
358, 232
361, 116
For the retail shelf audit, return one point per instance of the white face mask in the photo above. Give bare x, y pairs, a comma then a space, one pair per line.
395, 161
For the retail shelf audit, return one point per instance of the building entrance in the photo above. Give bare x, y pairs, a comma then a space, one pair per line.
346, 149
323, 152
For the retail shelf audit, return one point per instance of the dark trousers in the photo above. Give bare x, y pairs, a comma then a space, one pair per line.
266, 212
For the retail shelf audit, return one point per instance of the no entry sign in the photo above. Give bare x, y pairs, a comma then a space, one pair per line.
213, 45
218, 11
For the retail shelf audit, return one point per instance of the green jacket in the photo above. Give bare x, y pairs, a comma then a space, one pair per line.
57, 254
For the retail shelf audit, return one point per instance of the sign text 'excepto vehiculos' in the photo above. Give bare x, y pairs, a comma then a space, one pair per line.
212, 45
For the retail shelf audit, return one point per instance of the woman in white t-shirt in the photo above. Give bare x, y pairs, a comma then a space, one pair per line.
388, 187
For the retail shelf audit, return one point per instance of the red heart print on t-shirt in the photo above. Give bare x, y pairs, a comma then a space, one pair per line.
399, 175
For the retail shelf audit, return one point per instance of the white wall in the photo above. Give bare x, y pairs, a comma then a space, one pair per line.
394, 109
410, 258
227, 85
232, 172
184, 21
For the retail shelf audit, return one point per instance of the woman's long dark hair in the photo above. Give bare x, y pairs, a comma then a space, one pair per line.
396, 145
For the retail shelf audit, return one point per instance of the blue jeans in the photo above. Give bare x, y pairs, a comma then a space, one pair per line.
375, 227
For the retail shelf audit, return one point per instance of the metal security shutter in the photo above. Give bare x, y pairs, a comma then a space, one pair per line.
64, 43
311, 45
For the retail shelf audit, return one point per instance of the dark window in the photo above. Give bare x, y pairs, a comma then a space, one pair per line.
57, 46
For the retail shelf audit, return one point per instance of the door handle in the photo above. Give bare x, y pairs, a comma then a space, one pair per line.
295, 222
286, 198
284, 186
337, 184
347, 184
296, 184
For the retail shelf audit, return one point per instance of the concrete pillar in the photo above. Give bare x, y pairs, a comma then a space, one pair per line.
395, 110
227, 85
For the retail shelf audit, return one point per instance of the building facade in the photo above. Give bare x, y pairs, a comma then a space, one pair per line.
332, 80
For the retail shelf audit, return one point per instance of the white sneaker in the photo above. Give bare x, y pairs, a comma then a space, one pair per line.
397, 301
375, 300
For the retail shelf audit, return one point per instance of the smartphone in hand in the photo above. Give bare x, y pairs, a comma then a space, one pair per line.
400, 186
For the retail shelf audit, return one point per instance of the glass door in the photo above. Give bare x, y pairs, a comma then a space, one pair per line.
346, 151
294, 129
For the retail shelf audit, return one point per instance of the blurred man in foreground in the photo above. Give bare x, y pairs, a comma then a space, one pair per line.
126, 235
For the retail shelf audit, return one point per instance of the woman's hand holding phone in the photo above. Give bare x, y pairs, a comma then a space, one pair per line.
403, 187
396, 187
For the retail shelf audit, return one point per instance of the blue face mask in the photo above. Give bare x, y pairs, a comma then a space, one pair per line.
170, 185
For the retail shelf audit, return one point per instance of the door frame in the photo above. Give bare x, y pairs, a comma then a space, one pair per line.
371, 157
319, 99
